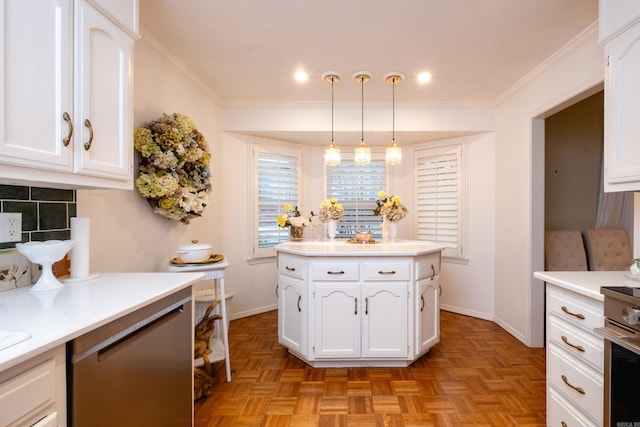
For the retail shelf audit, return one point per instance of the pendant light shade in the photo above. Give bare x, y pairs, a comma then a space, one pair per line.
331, 154
362, 153
394, 153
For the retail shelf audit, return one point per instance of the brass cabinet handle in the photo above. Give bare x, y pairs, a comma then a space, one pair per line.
335, 272
299, 298
578, 315
67, 118
439, 290
578, 389
289, 268
433, 272
563, 424
422, 305
356, 305
87, 144
386, 272
277, 286
577, 347
366, 306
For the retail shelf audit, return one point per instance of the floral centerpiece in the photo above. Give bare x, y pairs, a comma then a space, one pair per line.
390, 207
293, 219
330, 209
174, 167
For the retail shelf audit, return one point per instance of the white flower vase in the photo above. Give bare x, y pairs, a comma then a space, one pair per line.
385, 227
393, 230
332, 228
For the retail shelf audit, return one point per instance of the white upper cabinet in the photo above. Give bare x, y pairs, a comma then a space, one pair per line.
620, 31
66, 119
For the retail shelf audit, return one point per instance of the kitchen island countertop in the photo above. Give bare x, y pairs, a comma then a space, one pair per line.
587, 283
60, 315
342, 248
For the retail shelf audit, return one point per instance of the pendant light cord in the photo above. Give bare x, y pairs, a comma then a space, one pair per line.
332, 79
362, 96
393, 120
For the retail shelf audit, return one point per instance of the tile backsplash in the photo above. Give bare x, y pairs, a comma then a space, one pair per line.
46, 214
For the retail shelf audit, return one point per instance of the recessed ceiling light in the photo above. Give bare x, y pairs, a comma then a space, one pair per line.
424, 77
301, 76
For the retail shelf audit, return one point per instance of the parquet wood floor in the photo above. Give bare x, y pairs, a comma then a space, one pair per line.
478, 375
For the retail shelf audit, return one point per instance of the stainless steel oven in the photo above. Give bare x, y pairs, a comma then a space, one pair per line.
621, 333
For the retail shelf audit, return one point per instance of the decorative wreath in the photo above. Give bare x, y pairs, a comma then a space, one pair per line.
174, 167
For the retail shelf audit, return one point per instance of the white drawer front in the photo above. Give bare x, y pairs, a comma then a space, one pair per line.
334, 271
428, 266
576, 382
561, 412
581, 344
576, 309
26, 392
391, 271
292, 266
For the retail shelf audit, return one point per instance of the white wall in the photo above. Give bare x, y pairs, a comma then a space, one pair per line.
126, 236
519, 220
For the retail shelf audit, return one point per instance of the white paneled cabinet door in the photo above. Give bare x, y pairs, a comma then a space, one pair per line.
291, 316
337, 320
384, 319
102, 99
622, 103
428, 318
36, 83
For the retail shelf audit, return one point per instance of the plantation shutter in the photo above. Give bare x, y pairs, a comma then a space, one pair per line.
356, 187
438, 199
278, 184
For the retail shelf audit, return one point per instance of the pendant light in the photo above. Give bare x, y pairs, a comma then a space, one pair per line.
331, 154
394, 153
362, 153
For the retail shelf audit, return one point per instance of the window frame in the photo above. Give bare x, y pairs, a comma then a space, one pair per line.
458, 253
257, 148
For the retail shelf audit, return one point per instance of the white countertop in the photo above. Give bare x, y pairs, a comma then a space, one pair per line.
340, 247
587, 283
60, 315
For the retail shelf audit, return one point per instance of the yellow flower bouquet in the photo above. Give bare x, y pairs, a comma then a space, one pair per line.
390, 207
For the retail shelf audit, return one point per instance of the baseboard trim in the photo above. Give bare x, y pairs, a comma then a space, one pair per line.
253, 312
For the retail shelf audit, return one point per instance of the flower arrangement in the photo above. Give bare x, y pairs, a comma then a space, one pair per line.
293, 217
331, 209
390, 207
174, 167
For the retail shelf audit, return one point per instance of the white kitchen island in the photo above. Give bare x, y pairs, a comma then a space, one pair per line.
342, 304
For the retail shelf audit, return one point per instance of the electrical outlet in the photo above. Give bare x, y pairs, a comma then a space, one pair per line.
10, 227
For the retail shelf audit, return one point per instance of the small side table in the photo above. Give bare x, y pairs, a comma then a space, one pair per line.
215, 272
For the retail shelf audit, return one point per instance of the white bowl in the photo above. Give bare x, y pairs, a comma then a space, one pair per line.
195, 252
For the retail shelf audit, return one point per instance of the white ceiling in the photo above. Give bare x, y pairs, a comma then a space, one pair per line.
246, 51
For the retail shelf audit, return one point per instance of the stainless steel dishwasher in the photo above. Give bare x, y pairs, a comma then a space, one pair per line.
136, 370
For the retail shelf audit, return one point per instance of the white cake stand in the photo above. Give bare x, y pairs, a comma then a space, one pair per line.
45, 253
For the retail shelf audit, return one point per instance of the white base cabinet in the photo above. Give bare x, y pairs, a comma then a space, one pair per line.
337, 311
575, 358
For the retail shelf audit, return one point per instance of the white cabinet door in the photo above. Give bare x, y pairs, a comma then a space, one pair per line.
384, 319
337, 320
622, 103
428, 314
291, 314
102, 100
36, 55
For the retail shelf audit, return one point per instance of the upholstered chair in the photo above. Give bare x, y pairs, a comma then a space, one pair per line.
564, 251
608, 249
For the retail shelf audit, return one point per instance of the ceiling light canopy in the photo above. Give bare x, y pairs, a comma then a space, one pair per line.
362, 153
394, 153
331, 154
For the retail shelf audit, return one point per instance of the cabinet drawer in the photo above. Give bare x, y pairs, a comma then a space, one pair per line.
292, 266
334, 271
391, 271
428, 266
579, 343
29, 391
575, 309
578, 383
561, 412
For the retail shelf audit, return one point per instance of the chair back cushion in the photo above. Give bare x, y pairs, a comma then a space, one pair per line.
564, 251
608, 249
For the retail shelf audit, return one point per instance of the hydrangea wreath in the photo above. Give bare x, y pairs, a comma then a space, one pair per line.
174, 167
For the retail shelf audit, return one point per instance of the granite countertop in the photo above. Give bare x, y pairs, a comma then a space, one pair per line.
60, 315
340, 247
587, 283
